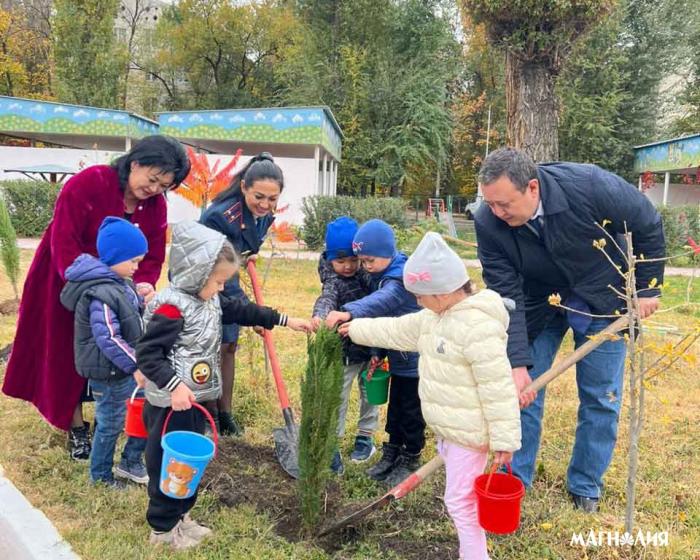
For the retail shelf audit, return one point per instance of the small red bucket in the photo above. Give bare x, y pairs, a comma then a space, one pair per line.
134, 426
498, 501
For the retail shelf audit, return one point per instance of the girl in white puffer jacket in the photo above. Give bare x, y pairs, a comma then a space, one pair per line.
467, 392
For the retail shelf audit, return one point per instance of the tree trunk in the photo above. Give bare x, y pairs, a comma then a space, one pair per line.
532, 109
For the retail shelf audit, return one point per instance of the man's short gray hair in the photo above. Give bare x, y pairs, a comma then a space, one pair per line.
514, 164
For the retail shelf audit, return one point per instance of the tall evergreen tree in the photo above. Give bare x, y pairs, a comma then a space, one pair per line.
89, 62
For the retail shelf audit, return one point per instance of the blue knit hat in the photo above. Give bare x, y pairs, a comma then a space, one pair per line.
119, 240
339, 236
375, 238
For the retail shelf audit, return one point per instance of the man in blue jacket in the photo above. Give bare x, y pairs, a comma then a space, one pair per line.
535, 235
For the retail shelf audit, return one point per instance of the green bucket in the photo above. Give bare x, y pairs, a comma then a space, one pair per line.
377, 387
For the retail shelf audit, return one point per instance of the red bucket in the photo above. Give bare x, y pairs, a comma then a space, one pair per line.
498, 501
134, 426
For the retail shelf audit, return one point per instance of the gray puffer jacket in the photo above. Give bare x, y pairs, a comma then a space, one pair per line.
195, 356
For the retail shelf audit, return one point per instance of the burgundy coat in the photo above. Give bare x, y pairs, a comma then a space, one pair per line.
41, 369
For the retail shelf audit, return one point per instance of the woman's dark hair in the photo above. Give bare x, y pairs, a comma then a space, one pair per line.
163, 152
228, 254
467, 288
260, 168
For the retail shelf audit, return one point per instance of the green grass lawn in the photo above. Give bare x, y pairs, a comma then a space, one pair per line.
252, 506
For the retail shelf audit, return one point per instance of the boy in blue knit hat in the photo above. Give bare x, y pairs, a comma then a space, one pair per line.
342, 282
107, 311
375, 245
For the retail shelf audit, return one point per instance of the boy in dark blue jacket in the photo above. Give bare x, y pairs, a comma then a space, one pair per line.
107, 325
375, 245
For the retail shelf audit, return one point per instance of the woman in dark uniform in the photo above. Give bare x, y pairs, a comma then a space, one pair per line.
243, 213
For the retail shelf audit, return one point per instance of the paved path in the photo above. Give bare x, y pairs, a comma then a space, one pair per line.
25, 532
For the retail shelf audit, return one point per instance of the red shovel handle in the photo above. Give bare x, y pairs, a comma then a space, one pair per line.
269, 343
206, 415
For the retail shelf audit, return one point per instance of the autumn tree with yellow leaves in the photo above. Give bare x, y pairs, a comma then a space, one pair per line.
641, 375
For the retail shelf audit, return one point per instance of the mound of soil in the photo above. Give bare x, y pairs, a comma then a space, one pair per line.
247, 474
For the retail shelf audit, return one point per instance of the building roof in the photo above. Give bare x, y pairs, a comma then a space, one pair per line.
311, 126
678, 155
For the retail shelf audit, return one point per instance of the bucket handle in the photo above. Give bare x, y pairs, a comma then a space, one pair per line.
133, 395
207, 415
494, 467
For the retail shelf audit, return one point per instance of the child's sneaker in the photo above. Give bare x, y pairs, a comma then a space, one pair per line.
364, 449
79, 444
176, 538
337, 464
194, 530
134, 471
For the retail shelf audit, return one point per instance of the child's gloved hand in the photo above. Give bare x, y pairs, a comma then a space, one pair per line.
140, 379
316, 323
344, 329
182, 398
297, 324
335, 317
502, 457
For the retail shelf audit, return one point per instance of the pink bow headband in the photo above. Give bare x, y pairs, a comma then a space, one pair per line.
413, 277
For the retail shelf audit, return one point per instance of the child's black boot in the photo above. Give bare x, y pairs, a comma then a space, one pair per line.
79, 444
406, 465
390, 454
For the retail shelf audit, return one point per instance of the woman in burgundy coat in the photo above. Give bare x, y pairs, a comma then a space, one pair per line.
41, 368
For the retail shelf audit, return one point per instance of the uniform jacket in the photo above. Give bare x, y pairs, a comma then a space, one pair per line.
232, 217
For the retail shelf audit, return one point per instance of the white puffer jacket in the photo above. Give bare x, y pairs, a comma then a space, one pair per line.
466, 387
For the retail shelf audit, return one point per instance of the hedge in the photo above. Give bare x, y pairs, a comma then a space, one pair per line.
680, 222
30, 204
320, 210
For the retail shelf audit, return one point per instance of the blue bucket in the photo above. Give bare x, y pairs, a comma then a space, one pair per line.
185, 458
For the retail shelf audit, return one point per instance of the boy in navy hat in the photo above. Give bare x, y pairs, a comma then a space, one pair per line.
107, 311
343, 281
375, 245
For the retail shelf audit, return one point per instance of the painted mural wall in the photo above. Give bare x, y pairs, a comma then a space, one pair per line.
278, 126
27, 115
666, 156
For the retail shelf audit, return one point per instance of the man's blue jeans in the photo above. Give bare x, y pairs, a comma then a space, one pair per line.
110, 413
599, 378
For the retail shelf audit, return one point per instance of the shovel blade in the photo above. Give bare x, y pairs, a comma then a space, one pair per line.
287, 449
359, 514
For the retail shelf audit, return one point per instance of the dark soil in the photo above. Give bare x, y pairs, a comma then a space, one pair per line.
245, 474
9, 306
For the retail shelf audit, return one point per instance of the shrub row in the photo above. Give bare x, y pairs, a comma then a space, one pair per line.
320, 210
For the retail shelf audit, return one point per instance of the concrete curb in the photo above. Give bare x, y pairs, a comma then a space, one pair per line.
25, 532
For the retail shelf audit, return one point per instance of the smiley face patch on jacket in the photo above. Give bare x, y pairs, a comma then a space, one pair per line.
201, 372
